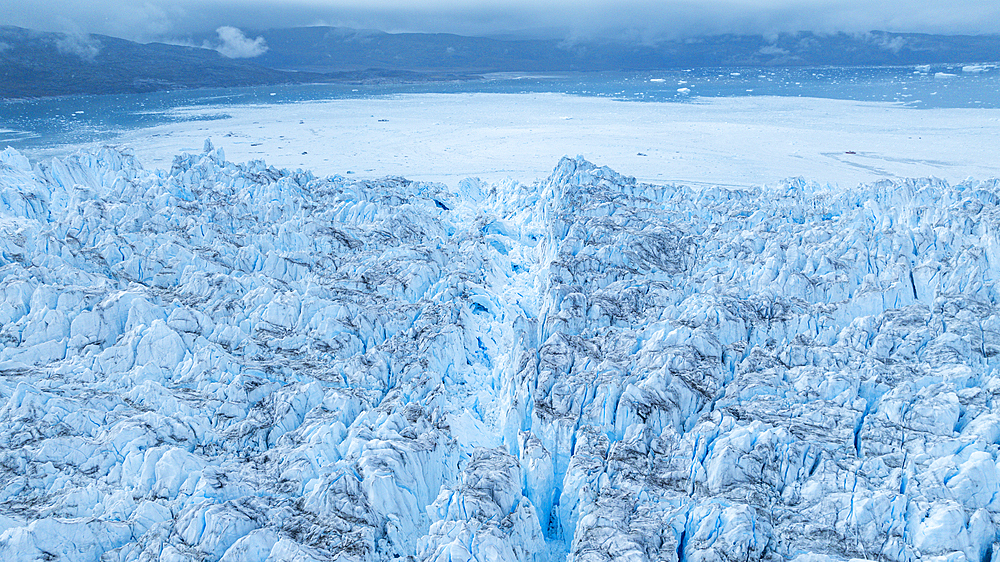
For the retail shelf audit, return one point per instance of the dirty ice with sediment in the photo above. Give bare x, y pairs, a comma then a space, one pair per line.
233, 362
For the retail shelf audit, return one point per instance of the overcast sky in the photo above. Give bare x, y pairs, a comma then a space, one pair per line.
146, 20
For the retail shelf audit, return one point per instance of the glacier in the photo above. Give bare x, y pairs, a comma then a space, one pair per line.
233, 362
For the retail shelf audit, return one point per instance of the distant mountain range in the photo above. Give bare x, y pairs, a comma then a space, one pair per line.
34, 63
324, 49
38, 64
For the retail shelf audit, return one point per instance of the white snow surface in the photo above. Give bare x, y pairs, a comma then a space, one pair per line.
737, 141
234, 362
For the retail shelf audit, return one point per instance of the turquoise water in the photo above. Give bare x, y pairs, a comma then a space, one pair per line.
27, 124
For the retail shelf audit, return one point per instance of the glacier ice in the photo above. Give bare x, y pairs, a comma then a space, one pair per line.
232, 362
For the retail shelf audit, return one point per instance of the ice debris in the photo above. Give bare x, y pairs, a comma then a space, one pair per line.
233, 362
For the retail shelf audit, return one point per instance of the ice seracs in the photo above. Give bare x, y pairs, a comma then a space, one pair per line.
233, 362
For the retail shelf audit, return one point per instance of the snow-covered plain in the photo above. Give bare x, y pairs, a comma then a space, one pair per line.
221, 361
741, 141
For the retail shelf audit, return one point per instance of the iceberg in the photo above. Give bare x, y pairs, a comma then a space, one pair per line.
233, 362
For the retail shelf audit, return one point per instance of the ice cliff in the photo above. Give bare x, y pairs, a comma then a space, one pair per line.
226, 362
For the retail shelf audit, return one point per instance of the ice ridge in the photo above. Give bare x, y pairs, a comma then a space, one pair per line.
230, 362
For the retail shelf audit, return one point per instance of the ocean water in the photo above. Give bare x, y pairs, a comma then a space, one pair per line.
52, 122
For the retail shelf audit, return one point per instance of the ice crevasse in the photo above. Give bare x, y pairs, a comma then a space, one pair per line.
230, 362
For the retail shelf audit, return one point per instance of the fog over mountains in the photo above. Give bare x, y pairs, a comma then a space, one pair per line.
34, 63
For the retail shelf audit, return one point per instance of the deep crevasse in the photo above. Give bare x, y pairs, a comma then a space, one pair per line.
233, 362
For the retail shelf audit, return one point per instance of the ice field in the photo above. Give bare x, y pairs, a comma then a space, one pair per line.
204, 356
742, 141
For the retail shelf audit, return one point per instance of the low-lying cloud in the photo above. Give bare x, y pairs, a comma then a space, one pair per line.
236, 45
79, 44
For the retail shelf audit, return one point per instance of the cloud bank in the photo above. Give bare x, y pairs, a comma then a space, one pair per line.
236, 45
79, 44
